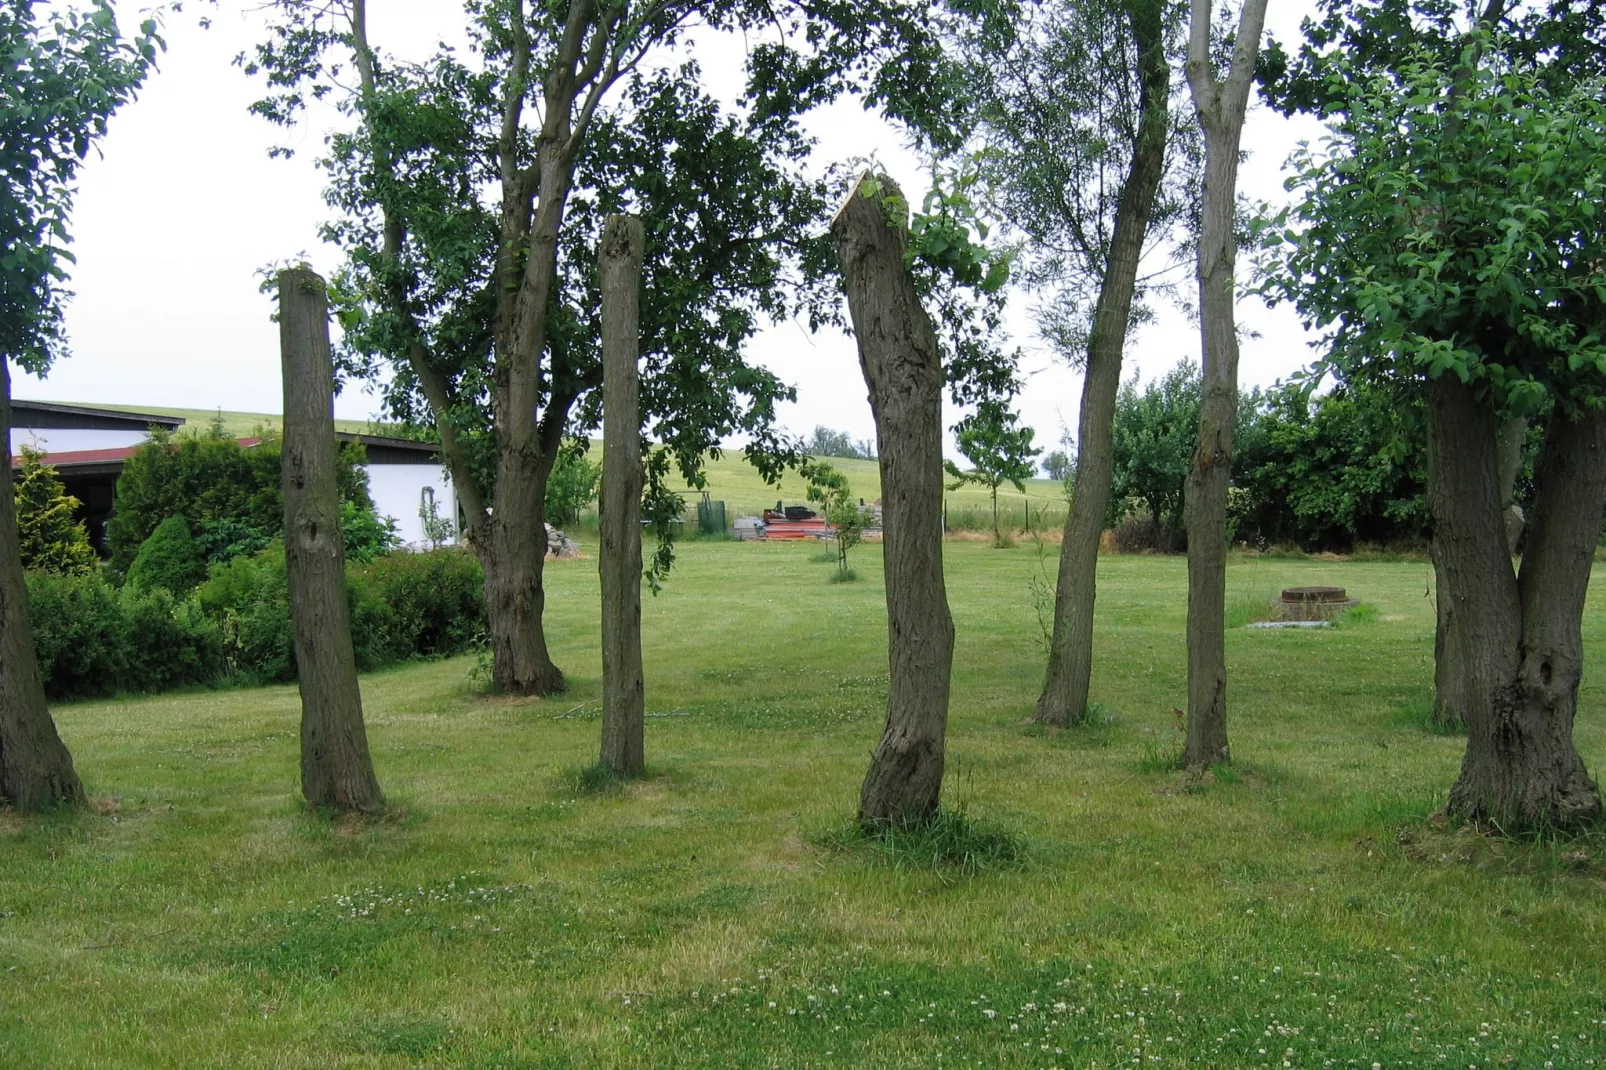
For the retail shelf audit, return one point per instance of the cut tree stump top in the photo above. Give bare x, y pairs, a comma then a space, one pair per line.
1314, 594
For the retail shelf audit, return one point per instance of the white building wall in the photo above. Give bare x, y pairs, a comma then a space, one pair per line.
73, 439
398, 492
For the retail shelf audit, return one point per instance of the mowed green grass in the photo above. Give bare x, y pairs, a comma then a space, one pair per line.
1299, 910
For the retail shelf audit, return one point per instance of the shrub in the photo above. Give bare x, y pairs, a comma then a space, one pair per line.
571, 487
401, 606
1135, 535
93, 640
170, 558
48, 537
365, 533
211, 478
437, 598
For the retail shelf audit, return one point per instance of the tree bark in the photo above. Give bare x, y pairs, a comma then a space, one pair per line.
1070, 660
619, 256
1518, 636
903, 369
336, 770
36, 770
1220, 106
1449, 675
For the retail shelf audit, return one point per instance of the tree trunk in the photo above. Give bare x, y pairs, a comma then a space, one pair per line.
1449, 675
336, 770
1070, 658
1518, 636
1220, 107
903, 370
623, 701
36, 770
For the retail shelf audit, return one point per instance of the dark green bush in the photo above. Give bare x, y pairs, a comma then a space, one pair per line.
170, 559
401, 606
437, 599
94, 640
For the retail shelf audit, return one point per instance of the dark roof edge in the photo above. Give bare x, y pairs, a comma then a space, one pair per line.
144, 418
382, 440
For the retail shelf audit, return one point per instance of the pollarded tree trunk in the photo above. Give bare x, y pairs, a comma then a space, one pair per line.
36, 770
336, 770
1519, 635
903, 370
623, 701
1220, 106
1449, 675
1070, 658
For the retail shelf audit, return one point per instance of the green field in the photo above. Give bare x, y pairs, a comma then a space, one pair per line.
735, 482
1299, 909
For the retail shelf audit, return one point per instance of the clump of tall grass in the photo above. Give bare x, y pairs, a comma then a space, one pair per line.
949, 841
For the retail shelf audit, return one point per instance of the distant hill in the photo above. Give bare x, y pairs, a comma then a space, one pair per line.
730, 478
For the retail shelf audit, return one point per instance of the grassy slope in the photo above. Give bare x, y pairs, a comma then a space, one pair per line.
1300, 908
730, 478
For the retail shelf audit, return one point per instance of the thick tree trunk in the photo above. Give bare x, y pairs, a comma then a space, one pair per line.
1449, 675
36, 771
903, 370
336, 770
1070, 659
1518, 636
623, 701
1220, 107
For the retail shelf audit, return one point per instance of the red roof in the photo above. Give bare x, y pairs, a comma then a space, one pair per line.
120, 453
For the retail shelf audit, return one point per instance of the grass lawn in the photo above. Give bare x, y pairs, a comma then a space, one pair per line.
1297, 910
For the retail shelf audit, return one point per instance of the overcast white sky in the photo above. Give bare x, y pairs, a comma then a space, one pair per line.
184, 207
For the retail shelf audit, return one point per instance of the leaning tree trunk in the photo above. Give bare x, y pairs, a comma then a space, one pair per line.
1518, 635
1220, 106
336, 770
903, 370
1070, 656
1449, 675
36, 771
623, 701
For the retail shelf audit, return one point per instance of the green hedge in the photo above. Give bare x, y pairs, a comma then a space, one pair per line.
402, 606
94, 639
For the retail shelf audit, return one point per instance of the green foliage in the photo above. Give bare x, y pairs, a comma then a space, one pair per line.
92, 639
572, 486
401, 606
1058, 466
829, 489
66, 70
998, 451
1329, 472
231, 494
170, 559
366, 534
825, 442
1155, 430
1451, 227
49, 538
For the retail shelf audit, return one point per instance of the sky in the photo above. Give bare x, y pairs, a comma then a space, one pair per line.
182, 209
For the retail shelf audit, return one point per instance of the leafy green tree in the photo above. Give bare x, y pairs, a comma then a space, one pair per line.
1087, 157
49, 537
572, 486
1155, 429
825, 442
67, 69
829, 489
170, 559
999, 452
1057, 466
1448, 241
471, 190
